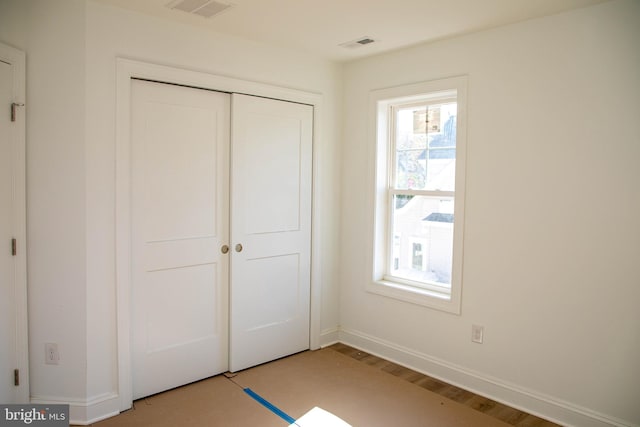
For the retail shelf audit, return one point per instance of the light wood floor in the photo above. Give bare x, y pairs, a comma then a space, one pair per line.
489, 407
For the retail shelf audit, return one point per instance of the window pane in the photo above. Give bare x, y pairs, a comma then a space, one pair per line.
425, 147
422, 239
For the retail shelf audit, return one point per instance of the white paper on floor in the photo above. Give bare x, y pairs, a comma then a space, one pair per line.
318, 417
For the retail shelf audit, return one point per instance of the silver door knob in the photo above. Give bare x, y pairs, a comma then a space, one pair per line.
224, 249
238, 247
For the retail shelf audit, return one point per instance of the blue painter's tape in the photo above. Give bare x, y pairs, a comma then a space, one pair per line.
270, 406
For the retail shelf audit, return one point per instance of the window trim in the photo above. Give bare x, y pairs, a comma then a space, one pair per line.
380, 102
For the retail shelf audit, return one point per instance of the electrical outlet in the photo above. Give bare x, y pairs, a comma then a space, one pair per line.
477, 333
51, 355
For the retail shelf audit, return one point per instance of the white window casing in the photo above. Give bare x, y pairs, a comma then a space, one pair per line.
382, 104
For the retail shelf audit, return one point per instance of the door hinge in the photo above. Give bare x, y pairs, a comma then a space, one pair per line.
16, 377
13, 110
14, 247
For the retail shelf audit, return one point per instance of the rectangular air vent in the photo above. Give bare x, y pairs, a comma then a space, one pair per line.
359, 42
205, 8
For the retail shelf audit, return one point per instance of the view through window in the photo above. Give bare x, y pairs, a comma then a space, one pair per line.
422, 185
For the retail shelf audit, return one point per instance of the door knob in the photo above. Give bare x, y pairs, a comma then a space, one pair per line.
238, 247
224, 249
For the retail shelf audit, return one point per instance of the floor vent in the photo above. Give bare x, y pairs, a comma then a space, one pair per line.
205, 8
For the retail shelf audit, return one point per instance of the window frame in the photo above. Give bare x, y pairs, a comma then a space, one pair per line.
381, 102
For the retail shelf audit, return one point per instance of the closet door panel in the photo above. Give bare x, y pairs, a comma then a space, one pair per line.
180, 206
270, 229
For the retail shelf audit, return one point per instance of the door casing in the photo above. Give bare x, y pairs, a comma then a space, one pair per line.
16, 59
126, 70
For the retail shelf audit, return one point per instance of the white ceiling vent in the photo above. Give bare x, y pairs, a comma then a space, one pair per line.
359, 42
205, 8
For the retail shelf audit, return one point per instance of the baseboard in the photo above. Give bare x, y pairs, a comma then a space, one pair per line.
543, 406
85, 411
329, 337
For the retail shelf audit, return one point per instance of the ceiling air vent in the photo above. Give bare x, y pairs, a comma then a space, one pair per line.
362, 41
205, 8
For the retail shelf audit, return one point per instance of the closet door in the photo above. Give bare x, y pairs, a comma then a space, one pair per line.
180, 205
270, 229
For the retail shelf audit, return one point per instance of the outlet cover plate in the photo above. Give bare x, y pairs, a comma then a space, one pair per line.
477, 333
51, 355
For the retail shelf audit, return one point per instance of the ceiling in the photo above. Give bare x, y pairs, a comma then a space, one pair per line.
319, 27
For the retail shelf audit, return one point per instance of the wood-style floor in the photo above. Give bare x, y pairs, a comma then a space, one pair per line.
489, 407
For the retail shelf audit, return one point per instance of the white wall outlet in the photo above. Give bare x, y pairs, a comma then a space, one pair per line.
51, 355
477, 333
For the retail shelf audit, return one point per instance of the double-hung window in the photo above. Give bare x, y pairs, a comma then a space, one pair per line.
419, 193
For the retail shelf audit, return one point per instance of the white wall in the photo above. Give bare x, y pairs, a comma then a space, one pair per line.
71, 48
551, 240
52, 35
552, 237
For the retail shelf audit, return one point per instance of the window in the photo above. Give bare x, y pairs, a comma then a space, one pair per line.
419, 193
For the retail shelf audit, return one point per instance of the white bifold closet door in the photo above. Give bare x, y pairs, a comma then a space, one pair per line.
198, 310
180, 208
270, 229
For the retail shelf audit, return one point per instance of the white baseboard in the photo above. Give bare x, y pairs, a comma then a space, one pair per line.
85, 411
329, 337
543, 406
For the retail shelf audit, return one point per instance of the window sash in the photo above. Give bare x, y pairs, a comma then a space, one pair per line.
389, 263
392, 111
429, 193
393, 191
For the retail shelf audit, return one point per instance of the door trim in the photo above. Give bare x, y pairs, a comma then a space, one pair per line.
16, 59
127, 69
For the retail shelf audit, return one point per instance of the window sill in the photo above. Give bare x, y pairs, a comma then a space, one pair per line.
424, 297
